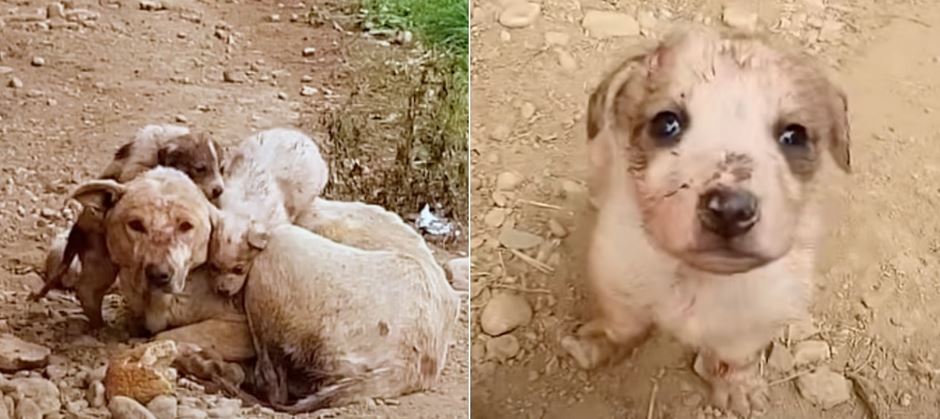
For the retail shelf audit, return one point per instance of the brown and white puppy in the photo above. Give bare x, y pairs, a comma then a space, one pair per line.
706, 151
272, 177
197, 155
157, 228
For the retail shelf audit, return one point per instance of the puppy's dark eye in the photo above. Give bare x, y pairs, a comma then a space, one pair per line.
185, 226
137, 226
200, 170
666, 127
238, 270
793, 135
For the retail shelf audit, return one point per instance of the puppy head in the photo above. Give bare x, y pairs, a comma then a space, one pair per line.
723, 136
197, 155
236, 241
157, 226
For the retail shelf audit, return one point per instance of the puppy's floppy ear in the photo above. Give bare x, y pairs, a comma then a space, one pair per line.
99, 195
839, 143
257, 236
168, 154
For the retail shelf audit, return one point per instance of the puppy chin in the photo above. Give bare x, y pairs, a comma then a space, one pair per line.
724, 262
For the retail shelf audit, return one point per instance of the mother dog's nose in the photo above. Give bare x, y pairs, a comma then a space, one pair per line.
728, 212
158, 276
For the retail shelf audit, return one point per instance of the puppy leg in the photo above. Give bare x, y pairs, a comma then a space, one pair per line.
229, 338
91, 296
599, 155
735, 383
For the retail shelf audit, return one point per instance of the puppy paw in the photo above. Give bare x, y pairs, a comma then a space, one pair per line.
591, 346
738, 388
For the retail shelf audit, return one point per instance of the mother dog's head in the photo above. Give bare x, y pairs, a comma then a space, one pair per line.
157, 225
723, 137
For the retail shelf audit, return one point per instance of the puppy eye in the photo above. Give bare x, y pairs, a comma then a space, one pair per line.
200, 170
185, 226
794, 135
238, 270
137, 226
666, 127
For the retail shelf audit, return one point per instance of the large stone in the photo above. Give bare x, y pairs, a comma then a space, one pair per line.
127, 408
604, 24
504, 313
42, 392
810, 352
17, 354
142, 373
824, 388
163, 407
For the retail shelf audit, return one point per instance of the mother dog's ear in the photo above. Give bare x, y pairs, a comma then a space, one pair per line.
839, 145
99, 195
257, 236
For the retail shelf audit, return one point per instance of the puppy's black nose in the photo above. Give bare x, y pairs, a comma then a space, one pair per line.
158, 276
216, 192
728, 212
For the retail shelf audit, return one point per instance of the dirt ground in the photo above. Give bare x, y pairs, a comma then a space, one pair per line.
74, 89
878, 298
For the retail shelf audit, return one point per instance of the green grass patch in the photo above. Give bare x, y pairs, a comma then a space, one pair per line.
441, 24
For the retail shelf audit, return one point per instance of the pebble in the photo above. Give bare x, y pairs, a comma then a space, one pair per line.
810, 352
495, 217
189, 412
824, 388
518, 239
559, 39
604, 24
309, 51
308, 91
181, 119
95, 394
226, 408
274, 18
504, 313
458, 273
508, 181
282, 95
906, 399
55, 11
501, 132
38, 62
831, 30
6, 70
502, 348
17, 354
234, 76
739, 16
306, 78
127, 408
527, 110
150, 5
15, 83
567, 61
42, 392
557, 229
27, 409
519, 14
780, 359
163, 407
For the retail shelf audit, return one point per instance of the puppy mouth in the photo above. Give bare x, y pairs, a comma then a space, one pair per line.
725, 259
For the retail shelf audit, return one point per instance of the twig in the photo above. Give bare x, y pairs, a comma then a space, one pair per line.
871, 351
521, 289
908, 18
531, 261
652, 405
541, 204
790, 377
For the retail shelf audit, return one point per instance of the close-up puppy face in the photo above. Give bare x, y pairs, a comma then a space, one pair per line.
199, 157
158, 225
724, 136
235, 242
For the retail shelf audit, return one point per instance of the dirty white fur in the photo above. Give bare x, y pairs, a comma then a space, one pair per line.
271, 178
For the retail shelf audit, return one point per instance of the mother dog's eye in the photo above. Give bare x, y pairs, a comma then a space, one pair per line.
137, 226
185, 226
238, 270
793, 135
666, 127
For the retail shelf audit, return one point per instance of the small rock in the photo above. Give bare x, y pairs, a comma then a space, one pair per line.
42, 392
188, 412
604, 24
226, 408
824, 388
830, 30
181, 119
306, 78
17, 354
557, 229
282, 95
518, 239
810, 352
504, 313
780, 359
458, 273
234, 76
163, 407
274, 18
150, 5
505, 36
905, 399
55, 11
739, 16
501, 132
309, 51
127, 408
15, 83
527, 110
519, 14
558, 39
495, 217
95, 394
143, 372
567, 61
38, 62
27, 409
308, 91
502, 348
6, 70
507, 181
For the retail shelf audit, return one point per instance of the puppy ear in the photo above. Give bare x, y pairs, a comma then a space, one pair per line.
839, 143
167, 155
99, 195
257, 236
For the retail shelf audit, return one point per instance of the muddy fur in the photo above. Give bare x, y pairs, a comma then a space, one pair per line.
708, 234
157, 228
197, 155
271, 178
320, 327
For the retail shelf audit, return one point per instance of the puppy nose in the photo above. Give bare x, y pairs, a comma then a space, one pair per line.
728, 212
157, 275
216, 191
